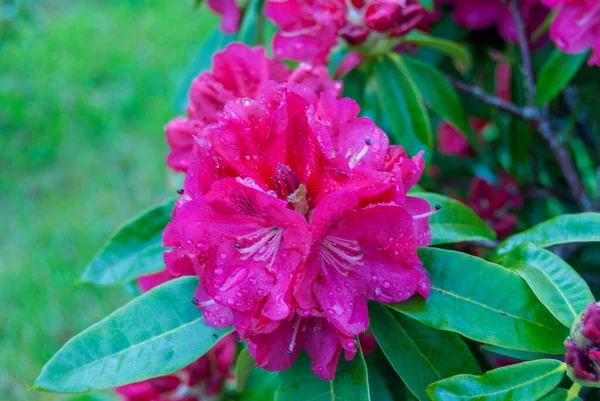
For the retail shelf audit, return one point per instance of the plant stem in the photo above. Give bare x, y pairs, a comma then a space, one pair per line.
525, 113
573, 391
543, 124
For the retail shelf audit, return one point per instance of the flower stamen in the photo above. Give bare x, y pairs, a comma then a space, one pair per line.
341, 254
357, 156
265, 247
430, 213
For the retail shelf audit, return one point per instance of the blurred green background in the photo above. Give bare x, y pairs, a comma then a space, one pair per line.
85, 89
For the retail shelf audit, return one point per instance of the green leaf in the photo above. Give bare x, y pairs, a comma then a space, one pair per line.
134, 343
439, 94
553, 281
485, 302
299, 383
558, 394
455, 222
243, 368
251, 28
522, 355
556, 74
136, 249
526, 381
93, 397
459, 53
402, 104
427, 4
419, 354
566, 228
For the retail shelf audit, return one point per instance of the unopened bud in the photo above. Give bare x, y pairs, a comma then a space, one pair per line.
383, 15
583, 348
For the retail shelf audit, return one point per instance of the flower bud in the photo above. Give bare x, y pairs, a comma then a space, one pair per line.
383, 15
583, 348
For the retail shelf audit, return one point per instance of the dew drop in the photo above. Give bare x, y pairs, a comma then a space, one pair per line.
386, 284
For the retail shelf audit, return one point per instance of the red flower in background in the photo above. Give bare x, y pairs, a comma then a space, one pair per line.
294, 213
238, 72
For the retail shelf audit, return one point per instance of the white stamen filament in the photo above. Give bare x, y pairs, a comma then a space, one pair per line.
206, 303
589, 15
356, 157
341, 254
265, 248
292, 345
430, 213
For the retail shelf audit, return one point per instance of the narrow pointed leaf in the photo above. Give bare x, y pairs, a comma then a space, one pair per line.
251, 28
136, 249
243, 368
526, 381
157, 333
556, 74
466, 291
439, 94
455, 222
457, 52
419, 354
299, 383
553, 281
567, 228
402, 104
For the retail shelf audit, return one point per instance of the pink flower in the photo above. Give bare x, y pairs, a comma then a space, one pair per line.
201, 379
494, 204
452, 142
294, 213
310, 29
576, 27
485, 14
238, 71
230, 13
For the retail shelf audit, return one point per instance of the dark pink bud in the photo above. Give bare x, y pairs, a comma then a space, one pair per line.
412, 16
583, 348
383, 15
354, 34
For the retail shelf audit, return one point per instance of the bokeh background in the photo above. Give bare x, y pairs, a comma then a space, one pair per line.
85, 89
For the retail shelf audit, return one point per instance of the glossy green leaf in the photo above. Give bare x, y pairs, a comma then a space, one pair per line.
455, 222
157, 333
419, 354
553, 281
526, 381
556, 74
439, 94
243, 368
378, 388
299, 383
93, 397
558, 394
567, 228
522, 355
485, 302
136, 249
457, 52
402, 104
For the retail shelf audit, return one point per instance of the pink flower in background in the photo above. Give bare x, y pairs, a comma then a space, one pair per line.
496, 204
485, 14
238, 71
230, 13
310, 29
294, 213
576, 27
583, 355
201, 379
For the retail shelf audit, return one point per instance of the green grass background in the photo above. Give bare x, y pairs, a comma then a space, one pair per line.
85, 89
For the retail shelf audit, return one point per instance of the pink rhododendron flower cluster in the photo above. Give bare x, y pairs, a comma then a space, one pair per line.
198, 381
485, 14
310, 29
239, 71
583, 346
576, 27
294, 213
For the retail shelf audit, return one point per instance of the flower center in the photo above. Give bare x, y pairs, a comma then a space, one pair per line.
261, 245
341, 254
